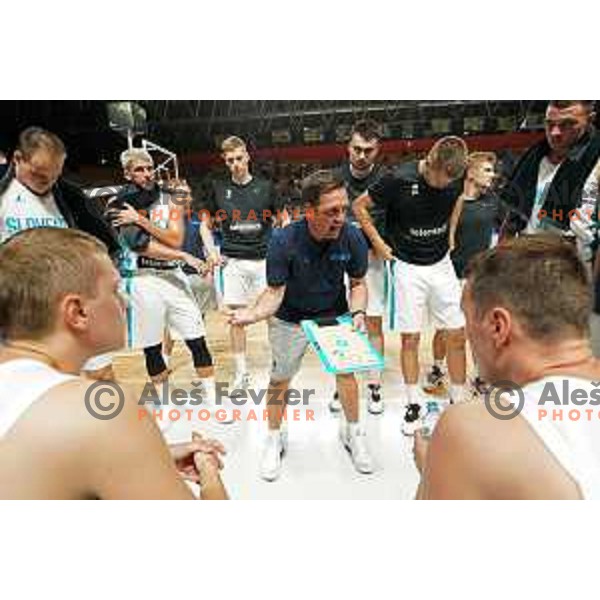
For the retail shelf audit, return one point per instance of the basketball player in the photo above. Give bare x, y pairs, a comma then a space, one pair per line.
359, 173
471, 231
161, 293
247, 205
60, 304
418, 201
523, 331
306, 264
33, 193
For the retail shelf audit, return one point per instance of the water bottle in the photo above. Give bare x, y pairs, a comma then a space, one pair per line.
432, 415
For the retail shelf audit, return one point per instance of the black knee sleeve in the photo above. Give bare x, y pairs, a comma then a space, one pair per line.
200, 352
155, 363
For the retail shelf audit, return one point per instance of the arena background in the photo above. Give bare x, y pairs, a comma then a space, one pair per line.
286, 138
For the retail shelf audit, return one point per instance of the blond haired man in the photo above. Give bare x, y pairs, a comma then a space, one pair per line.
418, 201
61, 304
474, 220
245, 207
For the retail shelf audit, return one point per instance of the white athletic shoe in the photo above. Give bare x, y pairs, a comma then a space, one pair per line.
355, 444
241, 381
335, 405
273, 451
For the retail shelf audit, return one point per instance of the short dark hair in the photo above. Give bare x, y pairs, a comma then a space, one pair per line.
35, 138
588, 105
368, 129
540, 279
319, 183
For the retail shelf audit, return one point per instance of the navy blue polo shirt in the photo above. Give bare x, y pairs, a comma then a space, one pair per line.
313, 271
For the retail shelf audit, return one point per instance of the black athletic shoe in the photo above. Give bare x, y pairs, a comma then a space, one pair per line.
335, 406
412, 419
375, 399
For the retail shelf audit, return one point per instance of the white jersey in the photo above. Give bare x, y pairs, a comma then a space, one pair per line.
22, 383
570, 432
21, 209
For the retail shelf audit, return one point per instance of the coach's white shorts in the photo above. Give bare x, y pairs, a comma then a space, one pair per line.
419, 288
98, 362
376, 287
161, 299
243, 280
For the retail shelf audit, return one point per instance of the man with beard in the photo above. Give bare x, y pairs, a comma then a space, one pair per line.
359, 173
161, 293
551, 178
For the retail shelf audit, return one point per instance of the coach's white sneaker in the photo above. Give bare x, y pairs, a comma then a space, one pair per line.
273, 451
354, 440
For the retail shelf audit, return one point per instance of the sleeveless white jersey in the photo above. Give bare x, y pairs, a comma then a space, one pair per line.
570, 432
23, 382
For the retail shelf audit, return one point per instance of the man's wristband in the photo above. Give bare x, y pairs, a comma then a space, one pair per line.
360, 311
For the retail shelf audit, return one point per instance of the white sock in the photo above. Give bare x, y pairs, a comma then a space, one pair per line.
209, 386
274, 433
240, 363
456, 393
412, 393
439, 364
163, 390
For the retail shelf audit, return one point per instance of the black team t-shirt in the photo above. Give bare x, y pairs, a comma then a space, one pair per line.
474, 230
417, 216
242, 212
355, 187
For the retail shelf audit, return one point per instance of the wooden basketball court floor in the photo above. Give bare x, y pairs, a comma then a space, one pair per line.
316, 465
